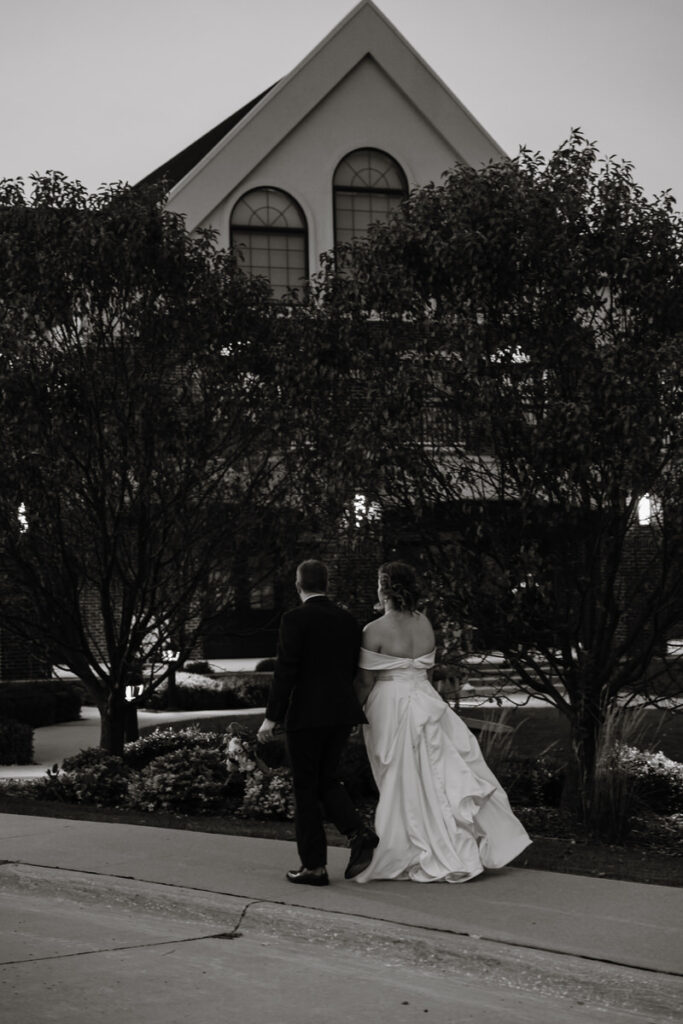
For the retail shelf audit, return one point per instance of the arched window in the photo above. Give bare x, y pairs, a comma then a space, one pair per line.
271, 229
368, 185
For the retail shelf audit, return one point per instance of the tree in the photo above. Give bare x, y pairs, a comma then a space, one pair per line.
144, 433
524, 374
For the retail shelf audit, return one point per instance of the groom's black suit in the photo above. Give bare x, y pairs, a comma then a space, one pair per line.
312, 694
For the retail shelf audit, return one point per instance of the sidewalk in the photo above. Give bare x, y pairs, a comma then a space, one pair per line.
52, 743
621, 922
103, 918
108, 922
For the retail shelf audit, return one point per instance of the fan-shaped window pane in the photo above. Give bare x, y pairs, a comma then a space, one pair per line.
269, 229
368, 185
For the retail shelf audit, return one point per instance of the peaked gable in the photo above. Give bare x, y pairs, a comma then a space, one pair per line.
228, 154
180, 165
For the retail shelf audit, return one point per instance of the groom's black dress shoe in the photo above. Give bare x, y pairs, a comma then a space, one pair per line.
305, 876
363, 845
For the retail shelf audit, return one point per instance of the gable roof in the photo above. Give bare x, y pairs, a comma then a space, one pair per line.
175, 169
229, 152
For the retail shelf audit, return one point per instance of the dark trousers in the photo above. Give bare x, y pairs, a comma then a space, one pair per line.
318, 794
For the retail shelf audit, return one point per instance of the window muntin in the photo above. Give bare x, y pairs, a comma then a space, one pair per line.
270, 229
368, 185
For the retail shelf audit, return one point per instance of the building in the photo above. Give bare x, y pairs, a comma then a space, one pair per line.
334, 145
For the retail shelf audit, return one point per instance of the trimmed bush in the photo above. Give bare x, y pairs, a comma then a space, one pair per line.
140, 753
265, 665
187, 782
40, 702
92, 776
657, 781
236, 691
28, 703
16, 742
27, 789
200, 668
69, 701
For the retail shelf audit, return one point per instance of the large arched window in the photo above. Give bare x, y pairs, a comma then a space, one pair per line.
368, 185
271, 229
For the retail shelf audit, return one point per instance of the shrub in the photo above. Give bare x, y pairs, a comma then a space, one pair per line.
92, 776
622, 773
30, 703
140, 753
266, 792
265, 665
656, 779
252, 691
213, 693
40, 702
268, 795
16, 742
69, 701
27, 789
201, 668
186, 782
532, 782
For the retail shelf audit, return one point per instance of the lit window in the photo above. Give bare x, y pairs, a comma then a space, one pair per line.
649, 510
269, 229
23, 518
368, 185
363, 511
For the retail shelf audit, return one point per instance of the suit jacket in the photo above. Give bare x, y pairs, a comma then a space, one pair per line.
317, 660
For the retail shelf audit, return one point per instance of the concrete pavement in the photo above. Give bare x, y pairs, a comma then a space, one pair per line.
106, 922
88, 904
52, 743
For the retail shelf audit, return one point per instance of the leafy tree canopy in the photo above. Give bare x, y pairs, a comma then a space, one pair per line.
523, 326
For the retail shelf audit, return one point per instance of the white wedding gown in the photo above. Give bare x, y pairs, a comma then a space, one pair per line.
442, 814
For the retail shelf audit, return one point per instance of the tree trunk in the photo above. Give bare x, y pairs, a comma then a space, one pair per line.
171, 687
579, 786
112, 723
118, 722
131, 731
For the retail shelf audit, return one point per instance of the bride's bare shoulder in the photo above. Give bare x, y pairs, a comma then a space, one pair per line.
372, 635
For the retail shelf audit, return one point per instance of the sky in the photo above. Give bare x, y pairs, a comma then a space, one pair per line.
107, 90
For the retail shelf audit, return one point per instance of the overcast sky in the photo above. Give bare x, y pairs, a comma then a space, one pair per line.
106, 90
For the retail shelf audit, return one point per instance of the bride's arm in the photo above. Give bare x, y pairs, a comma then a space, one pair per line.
363, 684
365, 678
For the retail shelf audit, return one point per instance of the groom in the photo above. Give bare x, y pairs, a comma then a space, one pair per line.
312, 693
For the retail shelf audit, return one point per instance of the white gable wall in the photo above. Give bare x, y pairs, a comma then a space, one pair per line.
365, 109
363, 85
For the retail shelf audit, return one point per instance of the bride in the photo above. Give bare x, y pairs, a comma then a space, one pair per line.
442, 814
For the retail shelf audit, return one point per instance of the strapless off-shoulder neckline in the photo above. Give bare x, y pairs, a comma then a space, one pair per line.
376, 660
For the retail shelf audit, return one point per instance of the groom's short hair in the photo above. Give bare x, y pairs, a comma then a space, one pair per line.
312, 576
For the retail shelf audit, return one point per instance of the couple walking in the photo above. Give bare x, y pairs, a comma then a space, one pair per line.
442, 815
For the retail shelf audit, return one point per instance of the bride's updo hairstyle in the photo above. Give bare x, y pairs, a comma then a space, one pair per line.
398, 584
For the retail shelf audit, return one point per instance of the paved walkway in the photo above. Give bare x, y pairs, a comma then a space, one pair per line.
103, 918
107, 921
52, 743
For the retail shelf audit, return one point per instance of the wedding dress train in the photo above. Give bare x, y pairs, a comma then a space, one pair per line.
442, 814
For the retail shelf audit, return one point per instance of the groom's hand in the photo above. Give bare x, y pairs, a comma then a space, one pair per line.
267, 731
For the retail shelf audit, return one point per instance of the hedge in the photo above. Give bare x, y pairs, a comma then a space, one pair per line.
40, 702
16, 742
